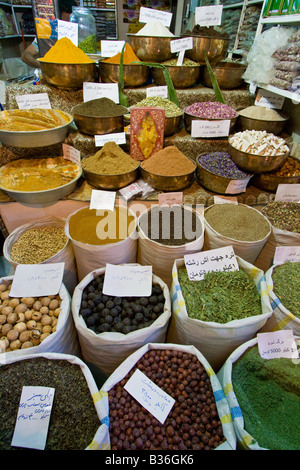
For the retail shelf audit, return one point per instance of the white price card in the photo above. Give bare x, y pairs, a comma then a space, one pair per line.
149, 14
161, 91
111, 48
277, 344
221, 259
170, 199
181, 44
288, 193
65, 29
93, 91
268, 99
210, 129
34, 100
127, 280
225, 200
102, 200
37, 280
149, 395
237, 186
117, 137
209, 15
287, 253
71, 153
33, 417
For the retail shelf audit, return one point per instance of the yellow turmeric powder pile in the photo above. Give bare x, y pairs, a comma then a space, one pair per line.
128, 56
110, 160
64, 51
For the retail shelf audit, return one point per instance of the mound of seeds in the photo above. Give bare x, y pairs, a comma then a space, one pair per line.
284, 215
119, 314
193, 422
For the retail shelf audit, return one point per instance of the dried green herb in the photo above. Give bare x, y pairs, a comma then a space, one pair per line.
221, 296
286, 281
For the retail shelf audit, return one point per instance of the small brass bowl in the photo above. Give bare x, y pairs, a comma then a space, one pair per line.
228, 75
188, 118
92, 125
215, 48
111, 182
273, 127
68, 76
182, 76
270, 182
168, 183
172, 125
151, 48
256, 163
135, 75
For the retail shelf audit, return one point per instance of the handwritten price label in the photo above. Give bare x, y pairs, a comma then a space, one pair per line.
210, 128
149, 14
93, 91
277, 344
35, 100
37, 280
221, 259
209, 15
127, 280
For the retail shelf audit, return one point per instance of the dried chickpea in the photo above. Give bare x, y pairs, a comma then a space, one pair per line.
54, 322
27, 344
6, 310
6, 328
24, 336
12, 318
28, 315
35, 334
12, 335
3, 287
2, 319
15, 345
37, 305
21, 308
54, 304
46, 320
44, 310
45, 301
13, 302
4, 343
31, 324
36, 315
21, 317
46, 329
21, 326
29, 301
57, 312
43, 336
4, 295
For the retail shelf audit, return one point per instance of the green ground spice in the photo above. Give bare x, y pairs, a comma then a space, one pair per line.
171, 109
100, 107
286, 281
221, 296
268, 393
74, 420
89, 45
238, 222
283, 215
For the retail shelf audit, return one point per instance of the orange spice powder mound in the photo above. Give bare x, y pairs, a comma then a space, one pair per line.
128, 56
169, 161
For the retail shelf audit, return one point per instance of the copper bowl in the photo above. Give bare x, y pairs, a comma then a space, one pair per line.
134, 74
151, 48
254, 124
270, 182
228, 75
256, 163
215, 48
111, 182
168, 183
182, 76
68, 76
93, 125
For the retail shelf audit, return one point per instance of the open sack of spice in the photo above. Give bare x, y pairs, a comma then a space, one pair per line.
36, 324
110, 328
284, 217
75, 415
264, 398
283, 282
199, 418
220, 312
39, 242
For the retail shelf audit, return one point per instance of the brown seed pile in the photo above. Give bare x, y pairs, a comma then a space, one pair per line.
38, 244
192, 424
25, 322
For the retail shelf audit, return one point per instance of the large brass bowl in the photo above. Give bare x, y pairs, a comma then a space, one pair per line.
68, 76
256, 163
270, 182
111, 182
215, 48
92, 125
134, 74
168, 183
151, 48
228, 75
188, 118
182, 76
273, 127
172, 125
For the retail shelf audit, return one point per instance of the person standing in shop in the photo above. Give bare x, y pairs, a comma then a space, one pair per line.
31, 53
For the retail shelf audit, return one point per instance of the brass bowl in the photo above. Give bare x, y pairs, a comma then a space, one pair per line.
270, 182
182, 76
168, 183
172, 125
151, 48
215, 183
273, 127
111, 182
215, 48
134, 74
256, 163
68, 76
188, 118
228, 75
92, 125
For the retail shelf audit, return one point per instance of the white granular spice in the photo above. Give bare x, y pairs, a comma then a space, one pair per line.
259, 112
154, 28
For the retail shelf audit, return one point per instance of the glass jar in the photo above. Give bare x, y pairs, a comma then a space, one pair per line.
86, 29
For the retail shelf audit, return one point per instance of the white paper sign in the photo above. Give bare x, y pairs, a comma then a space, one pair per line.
268, 99
37, 280
221, 259
288, 193
237, 186
161, 91
203, 128
182, 44
117, 137
2, 92
148, 14
170, 199
225, 200
72, 154
277, 344
68, 30
111, 48
102, 200
127, 280
33, 417
35, 100
93, 91
287, 253
149, 395
209, 15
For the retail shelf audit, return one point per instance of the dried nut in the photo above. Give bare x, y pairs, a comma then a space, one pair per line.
3, 287
6, 310
21, 326
12, 318
21, 317
28, 315
6, 328
4, 343
37, 305
31, 324
13, 302
15, 345
44, 310
27, 344
2, 319
29, 301
54, 304
57, 312
12, 335
21, 308
35, 342
43, 336
4, 295
46, 320
45, 301
54, 322
47, 329
24, 336
35, 334
36, 315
